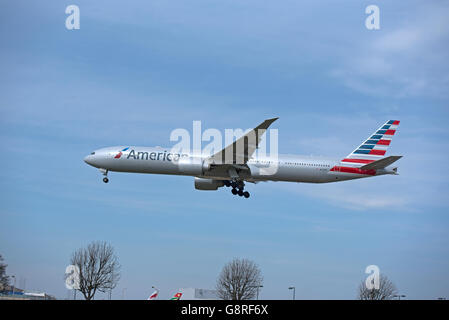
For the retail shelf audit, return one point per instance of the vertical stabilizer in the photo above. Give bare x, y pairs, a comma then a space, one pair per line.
375, 147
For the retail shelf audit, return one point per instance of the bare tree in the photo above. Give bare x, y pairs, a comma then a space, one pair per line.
386, 290
98, 268
239, 279
4, 279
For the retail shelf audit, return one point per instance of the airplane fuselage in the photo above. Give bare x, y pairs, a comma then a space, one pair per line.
292, 168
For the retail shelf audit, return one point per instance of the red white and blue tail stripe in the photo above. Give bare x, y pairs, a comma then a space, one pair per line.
375, 147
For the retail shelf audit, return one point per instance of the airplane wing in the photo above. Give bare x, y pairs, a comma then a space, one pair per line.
382, 163
239, 152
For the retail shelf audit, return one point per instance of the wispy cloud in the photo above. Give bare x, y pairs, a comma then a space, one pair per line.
354, 195
409, 60
419, 185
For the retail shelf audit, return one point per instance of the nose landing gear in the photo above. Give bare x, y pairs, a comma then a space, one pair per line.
105, 173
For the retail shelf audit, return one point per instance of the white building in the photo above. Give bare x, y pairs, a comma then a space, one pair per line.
198, 294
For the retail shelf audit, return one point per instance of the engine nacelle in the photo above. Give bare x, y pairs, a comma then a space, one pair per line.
208, 184
193, 166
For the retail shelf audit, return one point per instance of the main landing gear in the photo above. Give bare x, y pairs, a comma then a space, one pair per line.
237, 188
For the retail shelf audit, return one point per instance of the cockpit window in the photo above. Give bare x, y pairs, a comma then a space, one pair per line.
93, 153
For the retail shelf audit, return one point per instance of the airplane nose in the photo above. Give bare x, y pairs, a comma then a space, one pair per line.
88, 159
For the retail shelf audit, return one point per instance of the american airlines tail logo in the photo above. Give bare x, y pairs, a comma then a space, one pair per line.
118, 155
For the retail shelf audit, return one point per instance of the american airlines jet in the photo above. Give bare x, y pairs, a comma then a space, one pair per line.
214, 171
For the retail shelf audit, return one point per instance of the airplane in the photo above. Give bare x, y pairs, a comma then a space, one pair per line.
214, 171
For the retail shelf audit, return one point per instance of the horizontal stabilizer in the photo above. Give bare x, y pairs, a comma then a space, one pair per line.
382, 163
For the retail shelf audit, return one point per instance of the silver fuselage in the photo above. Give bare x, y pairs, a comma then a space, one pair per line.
157, 160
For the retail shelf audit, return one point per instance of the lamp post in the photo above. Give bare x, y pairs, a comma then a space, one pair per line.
257, 287
14, 286
399, 296
294, 291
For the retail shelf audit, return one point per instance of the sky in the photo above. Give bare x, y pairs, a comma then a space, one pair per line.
137, 70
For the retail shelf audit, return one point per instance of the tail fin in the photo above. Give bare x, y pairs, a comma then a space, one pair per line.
177, 296
375, 147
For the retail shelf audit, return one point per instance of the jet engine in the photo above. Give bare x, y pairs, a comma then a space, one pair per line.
193, 166
208, 184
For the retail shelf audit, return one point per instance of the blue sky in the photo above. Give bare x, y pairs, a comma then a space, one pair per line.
136, 71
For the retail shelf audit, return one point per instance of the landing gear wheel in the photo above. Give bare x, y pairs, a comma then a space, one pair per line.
227, 183
240, 192
234, 191
105, 180
246, 194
